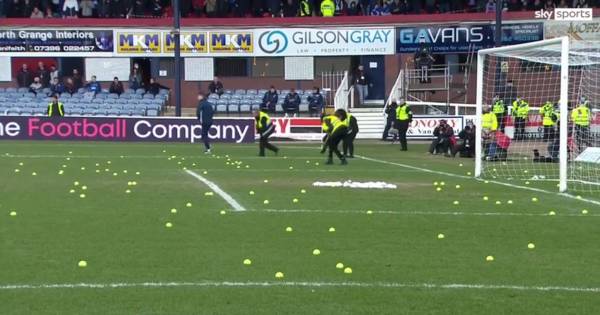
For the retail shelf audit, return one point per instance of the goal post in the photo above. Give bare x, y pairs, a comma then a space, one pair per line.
533, 89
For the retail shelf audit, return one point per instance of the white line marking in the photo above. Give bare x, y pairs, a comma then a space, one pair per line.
166, 156
441, 213
236, 206
596, 202
450, 286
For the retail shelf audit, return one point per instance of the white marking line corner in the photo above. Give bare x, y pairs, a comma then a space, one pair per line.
240, 284
232, 202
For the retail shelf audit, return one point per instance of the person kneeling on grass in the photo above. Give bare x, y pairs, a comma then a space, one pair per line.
338, 131
264, 127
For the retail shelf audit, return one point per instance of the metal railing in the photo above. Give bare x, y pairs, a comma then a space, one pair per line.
330, 83
342, 93
397, 89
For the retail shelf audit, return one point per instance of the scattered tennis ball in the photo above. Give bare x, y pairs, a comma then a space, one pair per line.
128, 191
70, 152
510, 202
551, 213
209, 193
247, 166
64, 166
266, 202
33, 174
339, 265
441, 236
291, 167
115, 174
108, 162
317, 163
72, 191
247, 262
332, 229
486, 181
348, 270
303, 191
486, 198
435, 183
531, 246
173, 210
460, 164
251, 192
61, 172
168, 225
439, 189
498, 202
295, 200
82, 264
21, 164
205, 172
584, 211
578, 197
82, 196
468, 173
489, 258
107, 170
75, 183
222, 212
527, 183
457, 186
534, 199
455, 202
13, 213
289, 229
442, 184
83, 187
369, 211
97, 171
83, 168
189, 204
279, 275
137, 173
265, 181
316, 252
68, 159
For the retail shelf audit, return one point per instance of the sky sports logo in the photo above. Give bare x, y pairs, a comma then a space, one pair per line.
565, 14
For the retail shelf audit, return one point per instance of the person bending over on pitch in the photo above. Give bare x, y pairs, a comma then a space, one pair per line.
339, 130
326, 127
348, 143
265, 128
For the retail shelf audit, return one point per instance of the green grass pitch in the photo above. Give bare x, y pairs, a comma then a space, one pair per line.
136, 265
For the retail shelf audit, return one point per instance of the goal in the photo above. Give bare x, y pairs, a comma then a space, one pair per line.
545, 97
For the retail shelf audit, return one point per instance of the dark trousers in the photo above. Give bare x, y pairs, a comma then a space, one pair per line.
439, 145
334, 140
348, 144
402, 126
205, 139
292, 111
314, 112
519, 128
582, 137
465, 149
500, 118
548, 133
388, 125
264, 141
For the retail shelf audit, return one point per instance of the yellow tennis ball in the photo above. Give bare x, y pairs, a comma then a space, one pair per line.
247, 262
279, 275
441, 236
489, 258
339, 265
82, 264
289, 229
169, 225
531, 246
347, 270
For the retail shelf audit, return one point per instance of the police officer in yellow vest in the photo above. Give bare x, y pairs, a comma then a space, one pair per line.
489, 121
520, 112
305, 8
55, 108
403, 119
327, 8
264, 127
499, 110
549, 119
327, 123
348, 143
338, 129
581, 116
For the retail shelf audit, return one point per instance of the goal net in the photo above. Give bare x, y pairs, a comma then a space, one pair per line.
545, 99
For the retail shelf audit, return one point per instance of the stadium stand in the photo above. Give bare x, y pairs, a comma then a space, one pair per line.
266, 8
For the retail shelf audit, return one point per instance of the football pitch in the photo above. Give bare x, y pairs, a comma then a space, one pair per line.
165, 229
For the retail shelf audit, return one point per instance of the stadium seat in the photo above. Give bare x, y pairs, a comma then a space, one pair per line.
113, 95
23, 90
11, 90
245, 108
222, 108
251, 92
233, 109
240, 92
81, 90
304, 108
151, 112
140, 91
148, 96
101, 96
76, 95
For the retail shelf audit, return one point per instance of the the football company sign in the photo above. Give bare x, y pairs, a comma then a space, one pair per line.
324, 41
123, 129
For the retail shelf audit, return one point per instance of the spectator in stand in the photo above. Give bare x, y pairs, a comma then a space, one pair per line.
135, 78
561, 4
93, 86
211, 8
49, 14
36, 86
77, 80
24, 76
2, 5
155, 87
199, 6
54, 74
70, 8
465, 145
315, 103
36, 13
340, 7
270, 100
353, 8
444, 135
70, 86
216, 86
87, 8
138, 9
56, 87
361, 81
43, 74
306, 8
273, 8
327, 8
490, 7
290, 8
580, 4
364, 7
157, 8
116, 86
115, 9
258, 8
291, 103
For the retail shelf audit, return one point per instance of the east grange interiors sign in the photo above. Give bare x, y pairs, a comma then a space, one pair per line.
123, 129
280, 42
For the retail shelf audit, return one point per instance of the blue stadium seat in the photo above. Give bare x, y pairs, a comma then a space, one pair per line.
227, 92
233, 109
240, 92
245, 108
221, 108
148, 96
81, 90
65, 95
23, 90
113, 95
251, 92
11, 90
151, 112
304, 107
140, 91
76, 95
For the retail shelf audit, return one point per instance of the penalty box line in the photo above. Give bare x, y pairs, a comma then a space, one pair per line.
426, 170
214, 187
240, 284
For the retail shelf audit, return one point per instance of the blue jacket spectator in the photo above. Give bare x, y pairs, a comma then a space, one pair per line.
94, 86
57, 87
315, 103
291, 103
270, 100
204, 113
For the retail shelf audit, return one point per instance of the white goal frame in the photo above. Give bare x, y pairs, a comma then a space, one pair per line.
563, 103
